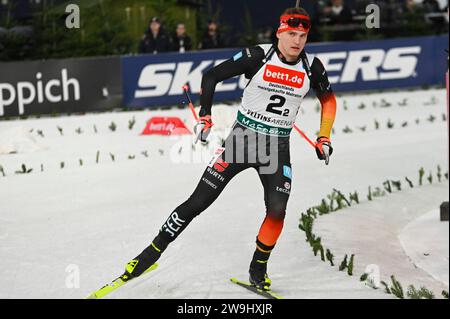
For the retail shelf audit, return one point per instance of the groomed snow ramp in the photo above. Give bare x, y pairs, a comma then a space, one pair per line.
400, 233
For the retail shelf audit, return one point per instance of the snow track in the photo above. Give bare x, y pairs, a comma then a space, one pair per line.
96, 217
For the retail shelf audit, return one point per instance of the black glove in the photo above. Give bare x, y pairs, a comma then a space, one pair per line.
324, 149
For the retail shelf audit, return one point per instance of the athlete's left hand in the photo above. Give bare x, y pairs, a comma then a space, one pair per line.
203, 128
324, 149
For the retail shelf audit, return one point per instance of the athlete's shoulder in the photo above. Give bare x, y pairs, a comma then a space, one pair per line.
316, 65
255, 53
319, 77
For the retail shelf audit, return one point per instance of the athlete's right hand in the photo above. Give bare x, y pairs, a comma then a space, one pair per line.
203, 128
324, 149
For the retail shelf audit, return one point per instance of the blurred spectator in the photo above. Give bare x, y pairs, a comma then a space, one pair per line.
337, 18
212, 39
155, 40
338, 12
181, 41
412, 13
412, 21
393, 12
410, 7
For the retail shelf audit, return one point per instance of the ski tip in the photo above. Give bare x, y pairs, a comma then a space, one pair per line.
237, 281
97, 294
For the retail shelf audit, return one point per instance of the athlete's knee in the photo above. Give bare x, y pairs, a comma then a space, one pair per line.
276, 211
278, 215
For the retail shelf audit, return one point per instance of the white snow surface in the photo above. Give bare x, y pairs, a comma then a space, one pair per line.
92, 219
394, 233
426, 241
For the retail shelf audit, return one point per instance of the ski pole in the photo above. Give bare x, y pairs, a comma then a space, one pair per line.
191, 105
304, 136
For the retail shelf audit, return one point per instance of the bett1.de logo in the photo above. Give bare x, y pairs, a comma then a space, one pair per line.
280, 75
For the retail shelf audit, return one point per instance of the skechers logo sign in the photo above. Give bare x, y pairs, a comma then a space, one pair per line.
54, 91
373, 65
169, 78
173, 224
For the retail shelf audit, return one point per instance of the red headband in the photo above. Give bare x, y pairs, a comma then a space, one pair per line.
303, 27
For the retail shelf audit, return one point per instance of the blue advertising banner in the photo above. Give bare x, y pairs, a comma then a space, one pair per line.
384, 64
156, 80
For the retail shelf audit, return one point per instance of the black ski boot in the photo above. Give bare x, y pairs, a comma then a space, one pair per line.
146, 261
259, 278
258, 270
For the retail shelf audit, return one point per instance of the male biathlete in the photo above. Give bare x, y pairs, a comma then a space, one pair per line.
280, 76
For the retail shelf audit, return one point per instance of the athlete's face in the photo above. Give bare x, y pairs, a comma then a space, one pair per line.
291, 43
